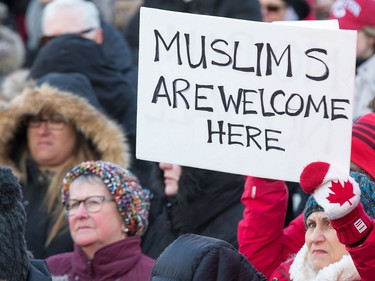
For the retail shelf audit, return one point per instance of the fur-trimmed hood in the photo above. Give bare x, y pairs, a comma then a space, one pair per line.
105, 135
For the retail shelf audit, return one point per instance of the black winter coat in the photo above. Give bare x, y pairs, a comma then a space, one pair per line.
199, 258
208, 203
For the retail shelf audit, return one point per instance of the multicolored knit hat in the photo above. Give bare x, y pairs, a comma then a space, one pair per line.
133, 202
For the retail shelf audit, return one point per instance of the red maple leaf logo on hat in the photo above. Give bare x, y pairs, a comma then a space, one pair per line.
341, 194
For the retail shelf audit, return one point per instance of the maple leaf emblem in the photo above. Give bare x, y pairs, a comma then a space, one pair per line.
341, 194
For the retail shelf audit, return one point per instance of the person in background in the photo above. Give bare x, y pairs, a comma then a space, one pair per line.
192, 200
359, 15
16, 263
107, 211
265, 201
280, 10
45, 131
76, 40
12, 56
16, 16
194, 257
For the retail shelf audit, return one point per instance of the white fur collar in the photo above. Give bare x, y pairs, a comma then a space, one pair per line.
301, 269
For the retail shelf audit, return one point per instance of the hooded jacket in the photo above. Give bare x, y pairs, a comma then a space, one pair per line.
103, 134
198, 258
111, 74
208, 203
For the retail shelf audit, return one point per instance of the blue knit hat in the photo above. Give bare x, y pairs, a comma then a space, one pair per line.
311, 207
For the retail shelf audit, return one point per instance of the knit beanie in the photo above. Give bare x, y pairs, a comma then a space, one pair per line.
14, 261
363, 143
72, 82
311, 207
132, 201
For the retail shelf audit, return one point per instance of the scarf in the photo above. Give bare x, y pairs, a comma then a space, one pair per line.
301, 269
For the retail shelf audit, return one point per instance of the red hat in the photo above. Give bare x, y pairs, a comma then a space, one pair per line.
363, 143
354, 14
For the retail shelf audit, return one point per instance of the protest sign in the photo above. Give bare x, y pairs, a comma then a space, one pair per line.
243, 97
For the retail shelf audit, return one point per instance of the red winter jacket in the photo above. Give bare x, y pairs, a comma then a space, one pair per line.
261, 234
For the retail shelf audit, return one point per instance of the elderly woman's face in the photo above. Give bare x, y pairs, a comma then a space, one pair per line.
92, 228
51, 140
324, 248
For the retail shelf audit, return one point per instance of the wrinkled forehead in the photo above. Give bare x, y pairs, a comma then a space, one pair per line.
89, 185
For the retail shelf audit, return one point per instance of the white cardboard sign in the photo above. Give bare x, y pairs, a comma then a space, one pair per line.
243, 97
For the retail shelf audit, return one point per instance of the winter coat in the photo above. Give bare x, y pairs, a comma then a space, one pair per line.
121, 261
364, 87
265, 208
111, 73
105, 136
199, 258
38, 271
239, 9
208, 203
261, 232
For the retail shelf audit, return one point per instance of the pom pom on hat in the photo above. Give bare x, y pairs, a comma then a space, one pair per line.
333, 189
132, 201
308, 182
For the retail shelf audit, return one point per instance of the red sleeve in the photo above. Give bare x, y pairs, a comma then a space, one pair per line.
261, 235
294, 235
364, 256
357, 227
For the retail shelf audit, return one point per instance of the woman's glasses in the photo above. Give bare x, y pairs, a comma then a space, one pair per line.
92, 204
54, 122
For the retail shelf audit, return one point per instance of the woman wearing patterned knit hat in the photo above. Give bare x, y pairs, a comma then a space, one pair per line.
107, 211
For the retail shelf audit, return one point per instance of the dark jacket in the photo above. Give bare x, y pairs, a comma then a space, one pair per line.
111, 73
120, 261
72, 53
199, 258
38, 271
105, 136
239, 9
208, 203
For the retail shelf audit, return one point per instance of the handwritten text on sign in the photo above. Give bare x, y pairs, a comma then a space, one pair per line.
243, 97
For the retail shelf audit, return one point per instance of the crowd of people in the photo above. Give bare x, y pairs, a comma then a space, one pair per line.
76, 204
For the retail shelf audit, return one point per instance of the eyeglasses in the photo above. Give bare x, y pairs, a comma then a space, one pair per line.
54, 122
46, 38
92, 204
273, 8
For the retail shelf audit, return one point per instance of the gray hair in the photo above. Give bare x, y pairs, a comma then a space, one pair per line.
89, 13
